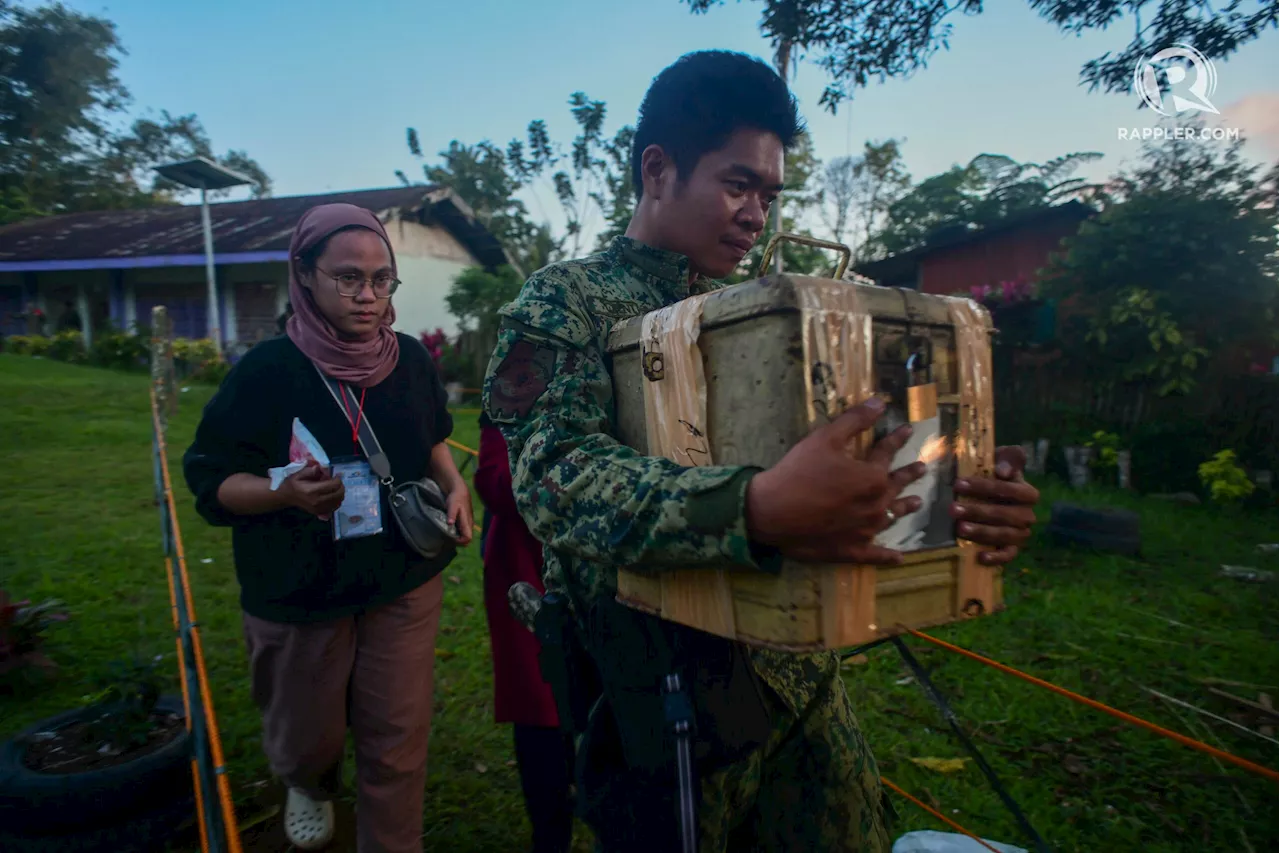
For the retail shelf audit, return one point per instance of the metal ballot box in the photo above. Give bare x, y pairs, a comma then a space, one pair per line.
738, 376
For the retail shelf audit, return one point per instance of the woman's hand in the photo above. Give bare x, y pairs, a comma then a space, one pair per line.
458, 508
313, 491
457, 495
1000, 511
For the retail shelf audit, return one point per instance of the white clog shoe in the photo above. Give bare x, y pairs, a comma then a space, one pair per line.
308, 824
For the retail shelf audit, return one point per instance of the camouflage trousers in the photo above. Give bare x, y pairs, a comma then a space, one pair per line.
813, 786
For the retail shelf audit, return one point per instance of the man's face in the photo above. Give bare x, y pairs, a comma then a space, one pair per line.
715, 214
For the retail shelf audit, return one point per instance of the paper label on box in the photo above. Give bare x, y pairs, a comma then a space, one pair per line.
922, 528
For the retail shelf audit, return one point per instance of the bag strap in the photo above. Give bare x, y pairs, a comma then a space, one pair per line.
368, 438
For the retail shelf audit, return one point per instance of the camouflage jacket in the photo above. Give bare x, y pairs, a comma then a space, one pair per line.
594, 503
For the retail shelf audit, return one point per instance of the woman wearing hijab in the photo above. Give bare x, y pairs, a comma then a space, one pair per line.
340, 631
544, 755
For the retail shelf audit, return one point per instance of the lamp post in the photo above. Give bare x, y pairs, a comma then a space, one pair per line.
203, 174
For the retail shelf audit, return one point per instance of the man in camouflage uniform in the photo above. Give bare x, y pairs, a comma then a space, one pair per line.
707, 163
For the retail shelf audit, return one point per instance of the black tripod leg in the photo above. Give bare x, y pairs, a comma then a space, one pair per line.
937, 698
679, 714
865, 647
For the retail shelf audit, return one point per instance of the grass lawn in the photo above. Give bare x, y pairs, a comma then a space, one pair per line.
80, 525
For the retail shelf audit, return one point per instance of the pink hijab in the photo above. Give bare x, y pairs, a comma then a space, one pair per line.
359, 363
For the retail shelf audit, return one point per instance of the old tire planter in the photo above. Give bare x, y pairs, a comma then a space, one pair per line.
1114, 530
146, 832
36, 804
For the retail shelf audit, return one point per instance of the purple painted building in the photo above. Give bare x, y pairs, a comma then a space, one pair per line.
112, 267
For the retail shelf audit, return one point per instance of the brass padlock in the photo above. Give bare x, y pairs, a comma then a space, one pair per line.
921, 397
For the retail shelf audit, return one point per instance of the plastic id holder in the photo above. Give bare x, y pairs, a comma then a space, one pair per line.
361, 512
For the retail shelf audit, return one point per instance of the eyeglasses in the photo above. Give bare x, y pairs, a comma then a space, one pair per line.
351, 284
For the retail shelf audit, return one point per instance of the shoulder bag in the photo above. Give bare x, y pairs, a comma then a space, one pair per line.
419, 507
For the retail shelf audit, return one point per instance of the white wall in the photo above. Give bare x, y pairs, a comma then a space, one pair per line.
428, 259
420, 301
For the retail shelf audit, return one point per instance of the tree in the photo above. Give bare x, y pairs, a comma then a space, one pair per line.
598, 180
58, 84
936, 202
481, 177
857, 41
856, 193
836, 197
592, 178
617, 200
240, 161
477, 295
478, 174
60, 102
990, 188
169, 138
1179, 268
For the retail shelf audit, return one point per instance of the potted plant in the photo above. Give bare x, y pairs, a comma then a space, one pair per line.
1107, 460
22, 627
113, 774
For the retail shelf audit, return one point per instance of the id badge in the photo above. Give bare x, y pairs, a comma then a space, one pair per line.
361, 512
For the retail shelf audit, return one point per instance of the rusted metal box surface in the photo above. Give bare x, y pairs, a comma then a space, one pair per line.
740, 375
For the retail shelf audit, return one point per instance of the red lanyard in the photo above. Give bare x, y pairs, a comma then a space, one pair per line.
356, 418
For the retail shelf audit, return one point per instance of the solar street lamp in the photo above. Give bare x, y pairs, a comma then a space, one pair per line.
203, 174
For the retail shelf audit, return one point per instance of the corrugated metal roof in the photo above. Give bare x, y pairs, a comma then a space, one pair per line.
256, 225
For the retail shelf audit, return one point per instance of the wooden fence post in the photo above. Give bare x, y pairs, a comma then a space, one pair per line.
162, 374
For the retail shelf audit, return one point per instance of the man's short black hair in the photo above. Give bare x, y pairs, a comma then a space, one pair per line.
701, 99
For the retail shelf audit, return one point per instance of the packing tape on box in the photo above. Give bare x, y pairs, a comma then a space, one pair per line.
975, 444
837, 341
675, 414
836, 335
675, 390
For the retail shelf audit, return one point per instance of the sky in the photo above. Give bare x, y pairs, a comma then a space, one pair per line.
321, 92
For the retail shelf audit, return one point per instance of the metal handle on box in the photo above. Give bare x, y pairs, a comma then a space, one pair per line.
846, 254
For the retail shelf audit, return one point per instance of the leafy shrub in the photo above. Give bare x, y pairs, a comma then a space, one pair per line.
194, 351
1226, 481
26, 344
119, 350
197, 359
1106, 447
68, 346
211, 371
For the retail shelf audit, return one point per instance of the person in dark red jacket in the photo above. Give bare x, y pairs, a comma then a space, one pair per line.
544, 754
